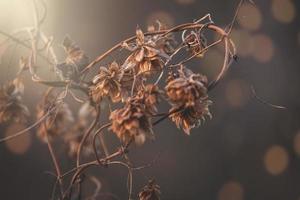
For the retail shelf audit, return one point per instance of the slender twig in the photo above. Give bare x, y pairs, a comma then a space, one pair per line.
162, 32
86, 135
54, 159
26, 130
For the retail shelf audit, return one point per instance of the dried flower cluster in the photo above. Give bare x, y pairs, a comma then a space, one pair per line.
187, 93
137, 87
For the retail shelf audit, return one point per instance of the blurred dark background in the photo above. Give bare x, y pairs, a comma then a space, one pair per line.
247, 151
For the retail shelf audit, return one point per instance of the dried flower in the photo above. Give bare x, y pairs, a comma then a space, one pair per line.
184, 87
57, 122
108, 83
75, 61
191, 116
150, 96
11, 107
132, 123
113, 82
146, 58
150, 192
187, 93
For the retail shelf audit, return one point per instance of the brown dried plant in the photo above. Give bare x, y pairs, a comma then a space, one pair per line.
132, 88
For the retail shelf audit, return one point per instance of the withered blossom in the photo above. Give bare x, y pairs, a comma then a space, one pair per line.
75, 61
11, 106
57, 122
108, 83
184, 87
146, 57
131, 123
191, 116
150, 96
187, 93
151, 191
113, 82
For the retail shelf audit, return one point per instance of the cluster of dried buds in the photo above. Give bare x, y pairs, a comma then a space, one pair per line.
187, 93
130, 83
132, 87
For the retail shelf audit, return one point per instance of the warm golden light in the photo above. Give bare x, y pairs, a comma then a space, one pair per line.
231, 190
276, 160
18, 145
283, 10
15, 13
249, 17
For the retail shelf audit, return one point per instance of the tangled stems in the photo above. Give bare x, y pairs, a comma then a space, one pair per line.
138, 112
163, 33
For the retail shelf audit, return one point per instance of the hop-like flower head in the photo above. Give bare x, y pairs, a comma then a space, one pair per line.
145, 58
131, 123
150, 96
187, 93
107, 83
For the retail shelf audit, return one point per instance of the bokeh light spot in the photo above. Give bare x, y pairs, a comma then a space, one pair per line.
237, 93
231, 190
211, 62
20, 144
249, 17
263, 48
283, 10
276, 160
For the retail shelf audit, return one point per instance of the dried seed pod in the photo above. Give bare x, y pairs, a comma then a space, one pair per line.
107, 83
11, 106
75, 61
191, 116
146, 58
131, 123
187, 93
151, 191
150, 96
184, 87
113, 82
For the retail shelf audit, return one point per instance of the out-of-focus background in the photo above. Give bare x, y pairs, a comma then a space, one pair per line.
247, 151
